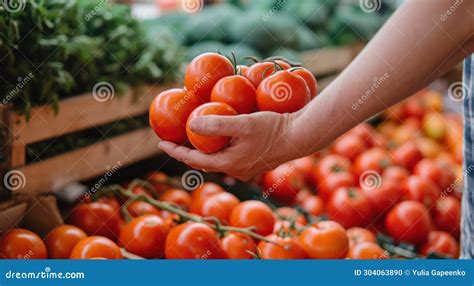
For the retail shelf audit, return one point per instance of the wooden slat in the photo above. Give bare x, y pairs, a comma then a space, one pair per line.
81, 112
89, 162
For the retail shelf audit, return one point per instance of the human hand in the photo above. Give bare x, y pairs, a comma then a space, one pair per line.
260, 142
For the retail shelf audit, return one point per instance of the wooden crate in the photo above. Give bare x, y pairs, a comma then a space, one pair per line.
75, 114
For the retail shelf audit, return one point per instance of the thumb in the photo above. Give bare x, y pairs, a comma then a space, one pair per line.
215, 125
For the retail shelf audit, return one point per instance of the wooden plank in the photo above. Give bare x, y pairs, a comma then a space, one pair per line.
89, 162
82, 112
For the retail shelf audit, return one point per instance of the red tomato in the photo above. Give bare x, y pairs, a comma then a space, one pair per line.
242, 70
375, 159
96, 219
440, 174
413, 107
309, 79
253, 214
204, 71
110, 200
409, 221
395, 173
333, 182
421, 190
447, 215
160, 181
407, 155
139, 208
96, 247
350, 207
282, 92
366, 132
357, 235
209, 144
20, 243
219, 206
367, 250
349, 146
440, 242
61, 240
283, 183
192, 240
178, 197
145, 236
236, 91
203, 192
258, 71
313, 205
290, 214
238, 246
331, 164
325, 240
383, 197
282, 64
169, 112
281, 248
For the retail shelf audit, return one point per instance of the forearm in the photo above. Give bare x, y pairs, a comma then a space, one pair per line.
414, 47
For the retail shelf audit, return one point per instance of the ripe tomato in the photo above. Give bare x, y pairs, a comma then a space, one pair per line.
290, 214
325, 240
282, 64
283, 183
349, 146
413, 107
20, 243
350, 207
236, 91
62, 240
253, 214
375, 159
169, 112
219, 206
437, 172
159, 180
366, 132
110, 200
313, 205
309, 79
139, 208
407, 155
302, 195
281, 248
329, 185
145, 236
447, 215
440, 242
258, 71
395, 173
421, 190
242, 70
204, 71
367, 250
383, 197
305, 166
209, 144
409, 221
282, 92
203, 192
96, 219
357, 235
96, 247
179, 197
331, 164
236, 245
192, 240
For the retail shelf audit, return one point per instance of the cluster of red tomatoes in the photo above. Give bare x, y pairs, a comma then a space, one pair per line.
402, 177
214, 85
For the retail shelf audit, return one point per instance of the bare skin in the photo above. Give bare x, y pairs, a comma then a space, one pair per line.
412, 49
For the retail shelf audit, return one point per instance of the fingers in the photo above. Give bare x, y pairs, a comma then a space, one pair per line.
213, 125
191, 157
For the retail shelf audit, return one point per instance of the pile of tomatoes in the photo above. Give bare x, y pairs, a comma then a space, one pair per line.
215, 85
402, 178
